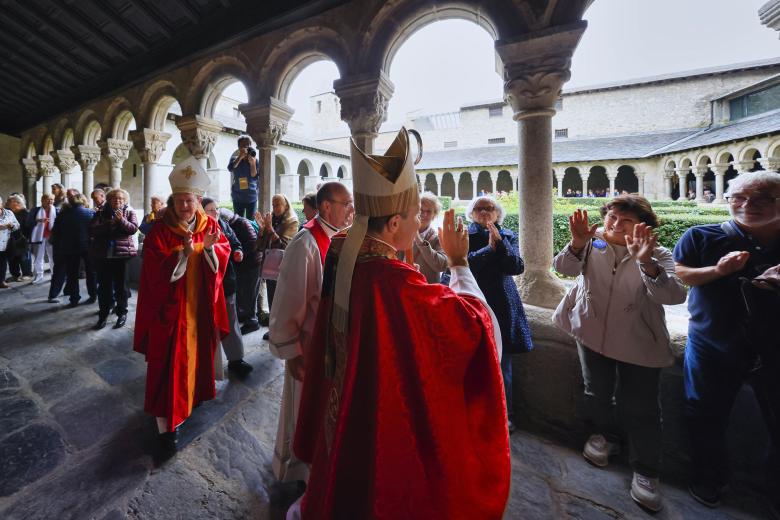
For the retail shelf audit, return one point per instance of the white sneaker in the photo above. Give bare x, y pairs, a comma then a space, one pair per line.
646, 492
598, 449
37, 280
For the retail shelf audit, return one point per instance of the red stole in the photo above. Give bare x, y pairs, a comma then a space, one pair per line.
413, 423
178, 324
323, 240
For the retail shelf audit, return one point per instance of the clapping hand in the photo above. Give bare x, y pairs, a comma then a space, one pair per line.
769, 279
209, 239
260, 219
238, 256
188, 249
454, 239
118, 214
494, 237
732, 262
269, 223
642, 244
581, 231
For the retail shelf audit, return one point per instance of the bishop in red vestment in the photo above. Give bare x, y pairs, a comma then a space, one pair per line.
181, 312
402, 413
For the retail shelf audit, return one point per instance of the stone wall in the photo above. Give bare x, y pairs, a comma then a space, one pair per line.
10, 168
547, 385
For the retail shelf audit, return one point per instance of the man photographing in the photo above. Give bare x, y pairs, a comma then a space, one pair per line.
243, 167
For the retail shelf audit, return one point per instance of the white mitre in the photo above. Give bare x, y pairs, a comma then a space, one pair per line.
383, 185
189, 177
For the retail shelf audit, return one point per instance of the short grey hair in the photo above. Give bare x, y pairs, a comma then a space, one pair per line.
492, 200
226, 214
118, 191
427, 196
761, 177
17, 198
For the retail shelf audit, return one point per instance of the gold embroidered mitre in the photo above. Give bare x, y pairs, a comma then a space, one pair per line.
189, 177
383, 185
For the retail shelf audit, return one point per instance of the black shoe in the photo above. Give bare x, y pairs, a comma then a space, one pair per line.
101, 323
169, 441
266, 336
72, 304
240, 367
91, 300
249, 326
706, 494
120, 321
263, 317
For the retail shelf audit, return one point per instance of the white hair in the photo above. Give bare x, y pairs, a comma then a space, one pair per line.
489, 198
763, 178
427, 196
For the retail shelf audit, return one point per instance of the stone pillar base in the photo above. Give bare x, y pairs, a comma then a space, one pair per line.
540, 288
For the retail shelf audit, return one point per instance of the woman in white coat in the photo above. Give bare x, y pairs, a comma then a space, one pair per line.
42, 222
8, 224
615, 312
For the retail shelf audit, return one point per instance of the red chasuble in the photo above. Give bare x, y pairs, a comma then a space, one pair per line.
178, 324
405, 416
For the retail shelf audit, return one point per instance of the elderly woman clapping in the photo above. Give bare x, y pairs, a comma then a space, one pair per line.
494, 258
615, 312
8, 224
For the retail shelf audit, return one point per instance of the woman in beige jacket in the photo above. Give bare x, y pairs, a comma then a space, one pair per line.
427, 250
615, 312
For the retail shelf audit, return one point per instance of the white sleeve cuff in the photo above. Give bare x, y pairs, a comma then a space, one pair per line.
181, 267
212, 260
286, 350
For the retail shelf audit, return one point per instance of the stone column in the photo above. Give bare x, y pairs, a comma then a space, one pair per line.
611, 175
87, 157
699, 172
438, 179
771, 164
117, 151
515, 178
474, 186
267, 122
494, 181
30, 168
720, 175
534, 68
364, 100
456, 178
65, 161
150, 145
559, 178
640, 177
668, 184
199, 134
743, 166
46, 168
584, 175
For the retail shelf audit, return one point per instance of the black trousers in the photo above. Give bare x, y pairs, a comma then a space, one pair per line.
112, 286
20, 265
634, 389
3, 265
72, 269
58, 271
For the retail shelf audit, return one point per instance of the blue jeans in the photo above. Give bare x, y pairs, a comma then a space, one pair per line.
712, 380
245, 209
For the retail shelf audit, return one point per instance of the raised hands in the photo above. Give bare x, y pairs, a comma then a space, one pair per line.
209, 239
642, 243
454, 238
494, 236
188, 249
581, 231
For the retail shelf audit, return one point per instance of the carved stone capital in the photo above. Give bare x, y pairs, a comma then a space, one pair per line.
45, 165
150, 144
682, 172
65, 160
87, 156
770, 163
199, 134
267, 122
744, 166
117, 150
699, 171
535, 66
30, 168
364, 101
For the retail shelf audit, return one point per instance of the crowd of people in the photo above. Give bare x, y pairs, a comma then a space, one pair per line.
398, 336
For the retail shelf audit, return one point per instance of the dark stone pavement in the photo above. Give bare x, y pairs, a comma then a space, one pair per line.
75, 443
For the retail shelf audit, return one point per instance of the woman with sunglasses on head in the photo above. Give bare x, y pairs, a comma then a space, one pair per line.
494, 259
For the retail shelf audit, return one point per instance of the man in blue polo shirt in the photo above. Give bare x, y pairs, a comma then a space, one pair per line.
243, 190
733, 336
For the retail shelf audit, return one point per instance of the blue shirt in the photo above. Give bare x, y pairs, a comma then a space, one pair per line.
718, 308
244, 187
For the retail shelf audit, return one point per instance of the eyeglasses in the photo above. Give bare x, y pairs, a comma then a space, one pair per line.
349, 204
486, 209
759, 202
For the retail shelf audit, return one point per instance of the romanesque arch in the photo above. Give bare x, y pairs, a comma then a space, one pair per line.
447, 185
156, 103
210, 81
484, 182
504, 182
626, 179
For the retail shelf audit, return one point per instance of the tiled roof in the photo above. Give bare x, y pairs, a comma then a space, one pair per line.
750, 127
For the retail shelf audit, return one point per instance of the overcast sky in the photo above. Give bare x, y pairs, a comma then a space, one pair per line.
449, 63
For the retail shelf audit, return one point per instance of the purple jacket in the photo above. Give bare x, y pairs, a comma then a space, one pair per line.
108, 232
